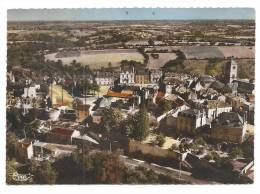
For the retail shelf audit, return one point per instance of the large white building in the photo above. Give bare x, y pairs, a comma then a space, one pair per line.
105, 78
127, 74
155, 75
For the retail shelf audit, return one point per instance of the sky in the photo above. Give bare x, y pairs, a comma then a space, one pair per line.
90, 14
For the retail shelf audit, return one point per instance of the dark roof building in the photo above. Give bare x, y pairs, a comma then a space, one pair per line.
217, 85
245, 87
228, 126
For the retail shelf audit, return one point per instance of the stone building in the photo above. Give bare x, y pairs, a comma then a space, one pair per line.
105, 78
216, 107
62, 135
229, 127
142, 76
189, 120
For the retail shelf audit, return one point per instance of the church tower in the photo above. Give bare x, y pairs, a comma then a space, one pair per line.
231, 71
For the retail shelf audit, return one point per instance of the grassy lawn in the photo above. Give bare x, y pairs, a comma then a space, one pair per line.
57, 96
103, 90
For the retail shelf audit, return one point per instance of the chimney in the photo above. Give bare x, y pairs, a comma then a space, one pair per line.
244, 117
139, 100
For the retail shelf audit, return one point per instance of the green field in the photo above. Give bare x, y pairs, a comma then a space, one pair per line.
100, 58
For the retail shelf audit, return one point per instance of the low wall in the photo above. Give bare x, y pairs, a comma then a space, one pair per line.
136, 146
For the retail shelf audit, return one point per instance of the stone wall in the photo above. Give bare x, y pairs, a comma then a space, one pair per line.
146, 149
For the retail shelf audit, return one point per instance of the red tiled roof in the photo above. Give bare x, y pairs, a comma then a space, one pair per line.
62, 131
119, 95
160, 94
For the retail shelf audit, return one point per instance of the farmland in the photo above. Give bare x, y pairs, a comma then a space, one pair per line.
203, 52
163, 58
99, 58
207, 52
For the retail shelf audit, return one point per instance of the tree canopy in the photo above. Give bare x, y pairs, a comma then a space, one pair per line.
138, 125
111, 119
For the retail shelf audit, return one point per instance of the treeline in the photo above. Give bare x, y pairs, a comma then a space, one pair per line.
176, 65
31, 56
141, 50
88, 168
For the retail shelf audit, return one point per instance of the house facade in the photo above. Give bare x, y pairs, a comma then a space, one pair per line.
155, 76
25, 149
105, 78
189, 120
142, 76
216, 107
61, 135
127, 74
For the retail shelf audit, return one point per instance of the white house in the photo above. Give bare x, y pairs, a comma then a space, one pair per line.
127, 74
215, 107
31, 91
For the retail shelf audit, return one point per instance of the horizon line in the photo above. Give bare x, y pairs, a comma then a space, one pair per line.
129, 20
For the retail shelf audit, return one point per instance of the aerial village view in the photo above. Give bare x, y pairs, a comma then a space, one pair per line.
130, 97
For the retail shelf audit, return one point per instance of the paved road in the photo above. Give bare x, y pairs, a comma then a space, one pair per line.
174, 173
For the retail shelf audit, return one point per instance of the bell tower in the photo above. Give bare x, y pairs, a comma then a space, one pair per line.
231, 71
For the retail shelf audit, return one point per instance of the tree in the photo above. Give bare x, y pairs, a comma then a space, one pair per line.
111, 119
165, 105
14, 117
97, 168
141, 124
109, 66
110, 171
200, 141
159, 37
119, 104
45, 174
31, 128
225, 164
236, 152
95, 87
73, 174
176, 65
102, 168
10, 170
213, 156
76, 102
151, 42
160, 139
11, 144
